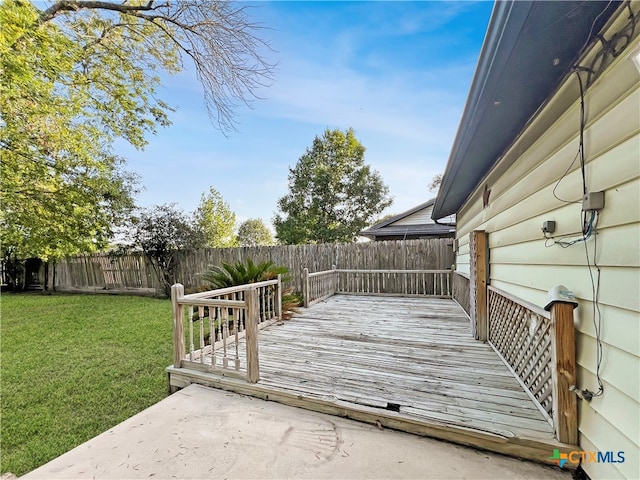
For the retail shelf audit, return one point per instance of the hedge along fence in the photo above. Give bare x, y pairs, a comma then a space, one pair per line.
135, 274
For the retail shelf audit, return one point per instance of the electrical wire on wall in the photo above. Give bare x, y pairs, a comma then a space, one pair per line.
589, 217
589, 229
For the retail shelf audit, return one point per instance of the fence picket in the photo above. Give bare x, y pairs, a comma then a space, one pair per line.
134, 273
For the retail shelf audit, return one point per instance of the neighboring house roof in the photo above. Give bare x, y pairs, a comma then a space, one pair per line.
529, 48
413, 223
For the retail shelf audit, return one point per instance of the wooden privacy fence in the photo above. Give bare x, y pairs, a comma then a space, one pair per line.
208, 327
137, 274
318, 286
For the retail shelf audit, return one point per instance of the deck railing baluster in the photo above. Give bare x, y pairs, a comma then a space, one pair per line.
225, 335
226, 310
236, 328
320, 285
190, 317
201, 322
213, 314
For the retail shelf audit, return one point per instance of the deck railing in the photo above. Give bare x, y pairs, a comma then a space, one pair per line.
521, 334
320, 285
208, 327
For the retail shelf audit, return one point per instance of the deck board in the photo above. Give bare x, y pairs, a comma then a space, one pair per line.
416, 355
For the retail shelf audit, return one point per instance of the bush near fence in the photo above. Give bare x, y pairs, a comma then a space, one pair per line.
134, 273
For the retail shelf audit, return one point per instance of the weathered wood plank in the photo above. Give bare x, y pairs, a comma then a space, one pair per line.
565, 402
413, 355
139, 274
521, 446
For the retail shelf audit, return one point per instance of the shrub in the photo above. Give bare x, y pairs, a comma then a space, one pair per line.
241, 273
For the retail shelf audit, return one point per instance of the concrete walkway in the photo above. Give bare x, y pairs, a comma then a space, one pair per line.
206, 433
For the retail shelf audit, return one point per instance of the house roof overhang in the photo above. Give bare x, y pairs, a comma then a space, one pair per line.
386, 227
529, 47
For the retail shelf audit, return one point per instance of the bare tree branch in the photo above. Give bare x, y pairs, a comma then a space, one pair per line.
217, 37
76, 5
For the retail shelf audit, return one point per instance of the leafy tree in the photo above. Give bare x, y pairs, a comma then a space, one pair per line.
254, 232
332, 193
60, 191
160, 232
78, 75
216, 220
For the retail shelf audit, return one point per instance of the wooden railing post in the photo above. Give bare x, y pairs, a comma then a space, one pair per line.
251, 328
479, 250
177, 291
563, 352
305, 287
451, 275
334, 280
279, 297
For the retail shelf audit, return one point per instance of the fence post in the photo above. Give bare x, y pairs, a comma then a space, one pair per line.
563, 354
177, 291
305, 286
279, 297
251, 328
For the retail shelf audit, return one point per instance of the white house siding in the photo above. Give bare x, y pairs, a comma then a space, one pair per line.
421, 217
521, 199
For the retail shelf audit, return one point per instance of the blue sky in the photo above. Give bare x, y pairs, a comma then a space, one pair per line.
398, 73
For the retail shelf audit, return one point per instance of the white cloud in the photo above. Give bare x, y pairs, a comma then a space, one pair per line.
406, 114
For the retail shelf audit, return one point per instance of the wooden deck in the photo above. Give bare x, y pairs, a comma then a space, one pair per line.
403, 363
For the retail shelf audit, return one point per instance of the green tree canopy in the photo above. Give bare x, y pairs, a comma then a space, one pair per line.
80, 74
160, 232
332, 193
254, 232
216, 220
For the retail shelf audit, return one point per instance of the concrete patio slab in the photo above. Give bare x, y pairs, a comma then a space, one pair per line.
200, 432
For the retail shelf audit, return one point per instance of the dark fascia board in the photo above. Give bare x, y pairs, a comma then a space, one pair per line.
529, 48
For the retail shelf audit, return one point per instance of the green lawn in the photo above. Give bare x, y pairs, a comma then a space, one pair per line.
73, 366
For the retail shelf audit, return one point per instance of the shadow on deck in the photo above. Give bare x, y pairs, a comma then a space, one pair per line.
408, 364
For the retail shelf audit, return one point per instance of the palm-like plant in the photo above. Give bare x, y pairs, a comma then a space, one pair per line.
241, 273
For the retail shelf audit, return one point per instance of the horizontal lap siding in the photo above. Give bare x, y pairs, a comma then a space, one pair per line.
420, 217
522, 199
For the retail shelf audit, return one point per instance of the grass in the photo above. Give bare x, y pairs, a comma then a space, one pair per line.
74, 366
